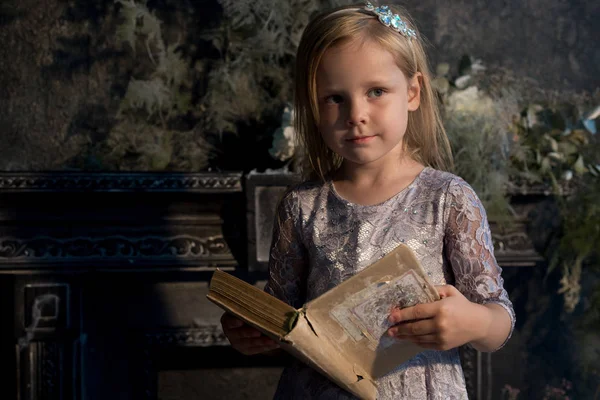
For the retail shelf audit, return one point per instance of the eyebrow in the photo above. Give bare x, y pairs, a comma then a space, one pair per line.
378, 82
369, 84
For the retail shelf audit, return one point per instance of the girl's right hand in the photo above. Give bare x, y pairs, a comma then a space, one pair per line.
244, 338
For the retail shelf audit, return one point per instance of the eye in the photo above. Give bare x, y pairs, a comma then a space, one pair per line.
378, 92
334, 99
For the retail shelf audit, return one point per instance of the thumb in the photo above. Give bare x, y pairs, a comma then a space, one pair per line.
446, 290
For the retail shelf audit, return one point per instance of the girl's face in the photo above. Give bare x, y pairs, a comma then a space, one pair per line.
364, 100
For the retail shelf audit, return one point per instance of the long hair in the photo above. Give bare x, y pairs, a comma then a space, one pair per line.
425, 139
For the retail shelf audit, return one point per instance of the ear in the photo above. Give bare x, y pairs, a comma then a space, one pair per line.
414, 92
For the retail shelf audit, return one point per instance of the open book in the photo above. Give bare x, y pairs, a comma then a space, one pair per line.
342, 333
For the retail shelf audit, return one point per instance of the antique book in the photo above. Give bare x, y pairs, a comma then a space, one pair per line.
342, 333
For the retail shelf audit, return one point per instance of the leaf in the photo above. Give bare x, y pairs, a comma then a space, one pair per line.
545, 165
578, 137
555, 156
136, 19
441, 84
151, 96
552, 141
579, 166
567, 148
442, 69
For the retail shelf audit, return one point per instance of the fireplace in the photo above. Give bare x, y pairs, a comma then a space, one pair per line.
103, 278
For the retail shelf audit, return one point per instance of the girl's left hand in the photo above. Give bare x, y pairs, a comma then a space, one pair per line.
442, 325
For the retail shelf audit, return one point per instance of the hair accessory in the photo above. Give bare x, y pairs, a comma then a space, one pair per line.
392, 20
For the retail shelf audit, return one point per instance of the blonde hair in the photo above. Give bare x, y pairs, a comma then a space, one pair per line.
425, 138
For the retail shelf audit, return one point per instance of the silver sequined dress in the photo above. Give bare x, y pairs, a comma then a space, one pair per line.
320, 240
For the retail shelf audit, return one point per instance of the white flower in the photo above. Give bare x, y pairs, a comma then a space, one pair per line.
471, 100
283, 147
567, 175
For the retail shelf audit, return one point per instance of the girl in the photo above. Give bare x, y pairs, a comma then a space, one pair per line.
376, 149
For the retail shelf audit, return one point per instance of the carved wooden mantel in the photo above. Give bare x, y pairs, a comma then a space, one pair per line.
63, 233
104, 214
67, 238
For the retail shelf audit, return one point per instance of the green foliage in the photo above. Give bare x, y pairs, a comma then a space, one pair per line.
503, 140
560, 152
257, 42
137, 20
133, 145
480, 154
158, 96
244, 86
159, 92
477, 127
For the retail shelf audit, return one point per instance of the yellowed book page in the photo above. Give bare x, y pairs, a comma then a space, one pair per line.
268, 314
250, 297
354, 314
323, 356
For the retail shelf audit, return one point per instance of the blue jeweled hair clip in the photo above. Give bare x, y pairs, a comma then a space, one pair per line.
394, 21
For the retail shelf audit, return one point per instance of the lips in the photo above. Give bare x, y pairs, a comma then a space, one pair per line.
360, 139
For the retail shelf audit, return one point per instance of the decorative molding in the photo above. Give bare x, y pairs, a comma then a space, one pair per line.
207, 182
51, 370
210, 335
110, 248
40, 371
514, 242
513, 246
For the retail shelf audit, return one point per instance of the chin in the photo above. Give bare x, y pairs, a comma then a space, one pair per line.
361, 160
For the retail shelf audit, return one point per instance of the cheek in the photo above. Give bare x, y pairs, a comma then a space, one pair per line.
396, 113
328, 115
328, 132
329, 118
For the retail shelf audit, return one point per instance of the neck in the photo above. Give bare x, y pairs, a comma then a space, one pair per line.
368, 185
373, 175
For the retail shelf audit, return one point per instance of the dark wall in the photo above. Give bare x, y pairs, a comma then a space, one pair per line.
552, 41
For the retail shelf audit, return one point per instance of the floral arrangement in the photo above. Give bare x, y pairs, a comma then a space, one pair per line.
505, 142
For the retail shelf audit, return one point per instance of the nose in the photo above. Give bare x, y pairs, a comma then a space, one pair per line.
357, 113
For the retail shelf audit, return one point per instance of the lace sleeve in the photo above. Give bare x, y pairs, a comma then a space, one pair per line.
288, 264
469, 250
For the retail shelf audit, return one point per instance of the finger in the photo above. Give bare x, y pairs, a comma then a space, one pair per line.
432, 342
446, 290
229, 321
256, 345
416, 328
420, 311
251, 341
430, 346
243, 332
262, 341
423, 339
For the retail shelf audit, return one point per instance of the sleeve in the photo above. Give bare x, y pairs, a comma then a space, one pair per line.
288, 262
469, 249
